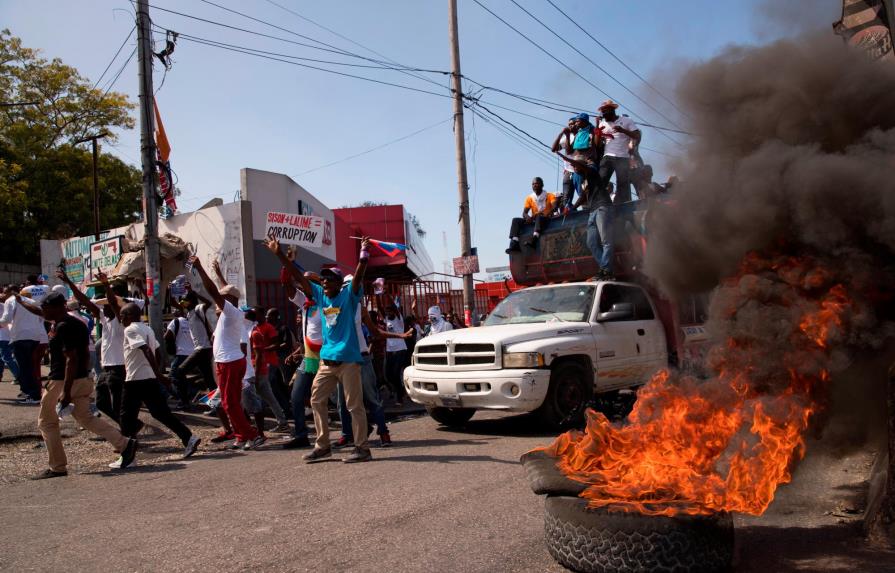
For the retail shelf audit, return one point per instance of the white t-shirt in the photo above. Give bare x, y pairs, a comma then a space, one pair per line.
565, 145
111, 346
397, 325
618, 145
228, 333
24, 324
197, 328
183, 337
246, 339
313, 329
136, 366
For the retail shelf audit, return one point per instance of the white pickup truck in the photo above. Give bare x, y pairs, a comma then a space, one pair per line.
548, 349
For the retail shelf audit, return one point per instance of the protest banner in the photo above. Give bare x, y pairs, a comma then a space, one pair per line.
292, 229
104, 255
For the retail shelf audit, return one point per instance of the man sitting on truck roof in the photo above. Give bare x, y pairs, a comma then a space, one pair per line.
538, 207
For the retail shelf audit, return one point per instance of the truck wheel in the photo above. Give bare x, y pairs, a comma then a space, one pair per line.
596, 540
569, 393
450, 417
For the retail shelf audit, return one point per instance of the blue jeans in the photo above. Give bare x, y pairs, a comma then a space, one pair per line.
371, 400
301, 391
8, 359
180, 382
599, 236
24, 353
262, 386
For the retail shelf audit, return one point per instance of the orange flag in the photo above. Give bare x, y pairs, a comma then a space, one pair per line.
161, 138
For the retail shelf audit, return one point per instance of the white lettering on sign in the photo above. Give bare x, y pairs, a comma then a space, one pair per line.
292, 229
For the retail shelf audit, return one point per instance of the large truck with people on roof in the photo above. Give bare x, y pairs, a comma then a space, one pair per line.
564, 342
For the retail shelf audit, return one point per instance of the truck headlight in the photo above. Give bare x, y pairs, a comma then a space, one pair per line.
523, 360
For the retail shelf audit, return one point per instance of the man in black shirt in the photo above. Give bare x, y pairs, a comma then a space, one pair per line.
68, 384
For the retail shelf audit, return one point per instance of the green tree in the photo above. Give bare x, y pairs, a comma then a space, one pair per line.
46, 183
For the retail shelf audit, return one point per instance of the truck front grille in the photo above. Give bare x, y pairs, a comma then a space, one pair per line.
451, 355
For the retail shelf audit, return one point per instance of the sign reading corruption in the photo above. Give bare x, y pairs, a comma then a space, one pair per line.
292, 229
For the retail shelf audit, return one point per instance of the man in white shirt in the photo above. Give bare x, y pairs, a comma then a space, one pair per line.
230, 362
178, 335
563, 142
6, 357
395, 354
110, 383
142, 378
27, 334
201, 326
437, 323
617, 154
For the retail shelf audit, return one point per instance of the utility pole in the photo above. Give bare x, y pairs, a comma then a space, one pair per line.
92, 139
148, 153
462, 181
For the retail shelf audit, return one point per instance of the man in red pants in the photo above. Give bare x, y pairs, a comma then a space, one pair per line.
229, 360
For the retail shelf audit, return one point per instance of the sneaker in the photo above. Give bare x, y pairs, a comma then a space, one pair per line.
223, 437
129, 453
296, 443
29, 401
191, 446
48, 473
359, 455
280, 428
116, 465
317, 455
385, 440
21, 396
343, 442
238, 445
255, 444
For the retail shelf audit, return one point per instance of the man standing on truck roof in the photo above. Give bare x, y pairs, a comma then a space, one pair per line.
540, 205
617, 155
564, 142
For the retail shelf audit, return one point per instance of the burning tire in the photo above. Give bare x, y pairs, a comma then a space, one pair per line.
597, 541
451, 417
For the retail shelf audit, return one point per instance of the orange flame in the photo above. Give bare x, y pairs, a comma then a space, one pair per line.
725, 444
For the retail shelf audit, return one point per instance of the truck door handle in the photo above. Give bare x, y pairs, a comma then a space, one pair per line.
641, 332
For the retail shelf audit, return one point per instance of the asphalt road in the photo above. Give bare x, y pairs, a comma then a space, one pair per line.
438, 501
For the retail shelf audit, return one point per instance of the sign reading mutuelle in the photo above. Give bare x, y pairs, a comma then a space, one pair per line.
292, 229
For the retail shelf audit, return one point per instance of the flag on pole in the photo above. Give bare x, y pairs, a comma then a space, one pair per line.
163, 148
390, 249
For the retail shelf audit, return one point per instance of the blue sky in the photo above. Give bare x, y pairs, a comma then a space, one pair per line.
225, 110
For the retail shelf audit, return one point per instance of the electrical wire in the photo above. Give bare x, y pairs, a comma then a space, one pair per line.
372, 149
563, 64
120, 71
622, 62
595, 64
115, 57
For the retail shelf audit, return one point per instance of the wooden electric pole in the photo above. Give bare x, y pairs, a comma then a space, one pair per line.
462, 181
148, 154
92, 139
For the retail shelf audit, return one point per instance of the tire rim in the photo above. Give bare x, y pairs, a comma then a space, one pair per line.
570, 398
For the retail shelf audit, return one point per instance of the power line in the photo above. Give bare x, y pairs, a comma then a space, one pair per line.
372, 149
611, 53
120, 71
115, 57
595, 64
563, 64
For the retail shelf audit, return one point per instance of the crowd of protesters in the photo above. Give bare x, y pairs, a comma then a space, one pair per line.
239, 362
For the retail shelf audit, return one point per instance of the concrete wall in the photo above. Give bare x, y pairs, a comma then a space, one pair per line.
16, 273
277, 192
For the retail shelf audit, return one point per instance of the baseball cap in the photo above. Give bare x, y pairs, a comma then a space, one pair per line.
333, 272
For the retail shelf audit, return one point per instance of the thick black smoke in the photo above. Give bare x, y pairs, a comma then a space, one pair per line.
796, 143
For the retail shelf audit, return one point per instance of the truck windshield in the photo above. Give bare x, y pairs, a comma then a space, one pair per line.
559, 303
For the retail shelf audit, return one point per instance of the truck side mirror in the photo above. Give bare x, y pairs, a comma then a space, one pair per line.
619, 311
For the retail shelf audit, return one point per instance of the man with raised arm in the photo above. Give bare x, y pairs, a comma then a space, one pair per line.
110, 384
67, 384
340, 355
230, 362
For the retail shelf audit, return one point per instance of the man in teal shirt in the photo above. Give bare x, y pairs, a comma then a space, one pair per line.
340, 357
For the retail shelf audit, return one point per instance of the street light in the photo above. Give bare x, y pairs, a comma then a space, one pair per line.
92, 139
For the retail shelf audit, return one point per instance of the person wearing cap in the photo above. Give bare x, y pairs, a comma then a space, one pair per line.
563, 142
68, 383
617, 155
340, 355
27, 335
230, 361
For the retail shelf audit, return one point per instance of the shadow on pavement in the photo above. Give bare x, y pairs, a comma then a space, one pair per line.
447, 459
523, 425
151, 467
798, 549
399, 443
